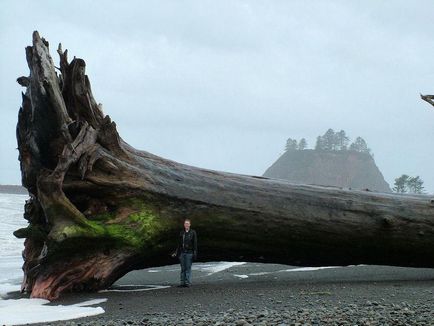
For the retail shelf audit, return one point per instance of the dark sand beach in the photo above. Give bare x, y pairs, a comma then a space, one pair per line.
265, 294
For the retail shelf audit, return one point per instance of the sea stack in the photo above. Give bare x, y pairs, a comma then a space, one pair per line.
345, 169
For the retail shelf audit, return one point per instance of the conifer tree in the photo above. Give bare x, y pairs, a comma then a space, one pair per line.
291, 145
302, 144
359, 145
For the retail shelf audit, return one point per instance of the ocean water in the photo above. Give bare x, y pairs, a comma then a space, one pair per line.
11, 218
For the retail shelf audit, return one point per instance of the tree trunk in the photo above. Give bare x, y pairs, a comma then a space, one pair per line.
99, 208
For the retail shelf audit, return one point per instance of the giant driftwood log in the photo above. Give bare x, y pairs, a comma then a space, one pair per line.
99, 208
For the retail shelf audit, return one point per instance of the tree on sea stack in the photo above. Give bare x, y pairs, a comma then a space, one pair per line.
302, 144
291, 145
100, 208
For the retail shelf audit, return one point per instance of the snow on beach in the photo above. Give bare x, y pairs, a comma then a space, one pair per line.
23, 311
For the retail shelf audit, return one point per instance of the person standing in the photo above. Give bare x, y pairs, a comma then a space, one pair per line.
187, 252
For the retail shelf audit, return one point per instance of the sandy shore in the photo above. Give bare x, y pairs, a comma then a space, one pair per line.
265, 294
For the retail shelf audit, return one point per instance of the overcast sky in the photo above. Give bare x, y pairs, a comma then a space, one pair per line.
223, 84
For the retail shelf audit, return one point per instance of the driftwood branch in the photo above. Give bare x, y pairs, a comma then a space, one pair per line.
100, 208
428, 98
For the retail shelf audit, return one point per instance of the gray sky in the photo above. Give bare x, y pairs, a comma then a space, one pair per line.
223, 84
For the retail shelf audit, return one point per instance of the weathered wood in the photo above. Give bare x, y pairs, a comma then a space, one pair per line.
100, 208
428, 98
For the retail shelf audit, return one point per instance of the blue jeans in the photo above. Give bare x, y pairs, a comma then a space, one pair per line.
186, 259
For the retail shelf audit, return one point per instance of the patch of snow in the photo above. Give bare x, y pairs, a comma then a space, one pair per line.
28, 311
308, 269
262, 273
216, 267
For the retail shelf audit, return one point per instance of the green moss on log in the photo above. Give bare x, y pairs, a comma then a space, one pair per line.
141, 228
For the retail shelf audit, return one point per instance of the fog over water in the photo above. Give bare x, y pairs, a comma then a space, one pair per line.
223, 84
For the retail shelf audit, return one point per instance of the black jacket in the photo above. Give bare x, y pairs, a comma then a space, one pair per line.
187, 241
